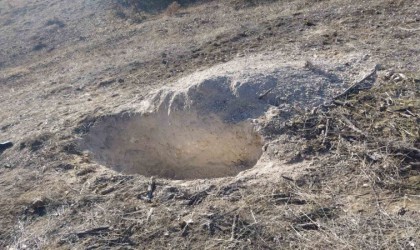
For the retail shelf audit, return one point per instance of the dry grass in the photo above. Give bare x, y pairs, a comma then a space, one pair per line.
345, 199
172, 8
15, 72
378, 127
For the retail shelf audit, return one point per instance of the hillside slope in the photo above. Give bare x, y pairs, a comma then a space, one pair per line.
307, 111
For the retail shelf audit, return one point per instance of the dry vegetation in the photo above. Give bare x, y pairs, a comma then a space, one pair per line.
358, 184
360, 189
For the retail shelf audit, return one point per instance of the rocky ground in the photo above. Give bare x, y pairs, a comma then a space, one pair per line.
331, 87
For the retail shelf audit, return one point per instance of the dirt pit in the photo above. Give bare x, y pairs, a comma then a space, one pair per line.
180, 145
206, 125
205, 131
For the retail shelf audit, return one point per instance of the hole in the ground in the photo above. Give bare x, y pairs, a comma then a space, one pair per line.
181, 145
202, 129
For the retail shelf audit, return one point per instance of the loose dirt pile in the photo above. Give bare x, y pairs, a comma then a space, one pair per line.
205, 125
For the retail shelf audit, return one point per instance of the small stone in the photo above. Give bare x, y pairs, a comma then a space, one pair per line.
8, 166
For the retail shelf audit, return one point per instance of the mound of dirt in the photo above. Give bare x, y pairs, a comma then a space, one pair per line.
205, 126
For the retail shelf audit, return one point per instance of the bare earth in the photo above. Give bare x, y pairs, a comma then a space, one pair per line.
233, 107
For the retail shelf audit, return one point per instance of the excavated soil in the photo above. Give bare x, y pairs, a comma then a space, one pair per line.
206, 125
